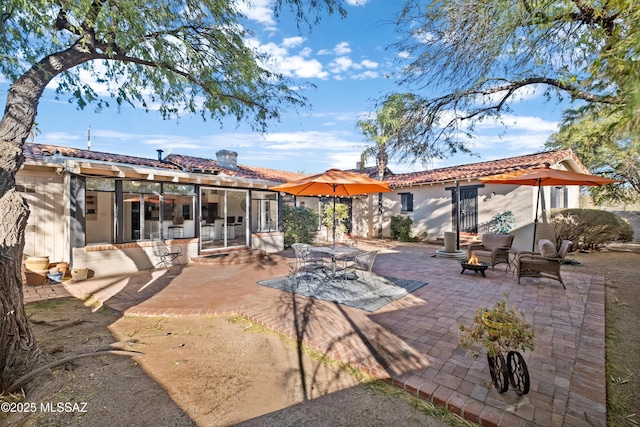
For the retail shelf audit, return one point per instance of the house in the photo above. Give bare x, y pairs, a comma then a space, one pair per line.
428, 198
103, 211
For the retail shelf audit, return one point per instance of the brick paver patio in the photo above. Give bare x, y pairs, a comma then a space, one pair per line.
413, 341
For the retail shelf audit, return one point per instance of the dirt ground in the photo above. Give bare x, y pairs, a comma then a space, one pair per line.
198, 371
227, 371
620, 265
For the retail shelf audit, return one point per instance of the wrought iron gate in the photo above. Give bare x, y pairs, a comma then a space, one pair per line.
468, 209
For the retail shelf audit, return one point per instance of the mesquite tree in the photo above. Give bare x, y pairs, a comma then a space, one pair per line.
184, 56
471, 60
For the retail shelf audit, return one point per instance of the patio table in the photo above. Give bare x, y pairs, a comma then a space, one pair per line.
341, 257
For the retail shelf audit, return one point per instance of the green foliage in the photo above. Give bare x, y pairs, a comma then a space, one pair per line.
342, 214
400, 228
503, 222
383, 131
498, 329
606, 148
590, 228
176, 56
300, 225
458, 52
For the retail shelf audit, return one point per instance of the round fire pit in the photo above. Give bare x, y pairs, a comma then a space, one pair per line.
480, 267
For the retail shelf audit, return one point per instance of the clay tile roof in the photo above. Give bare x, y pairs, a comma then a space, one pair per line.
198, 164
482, 169
39, 153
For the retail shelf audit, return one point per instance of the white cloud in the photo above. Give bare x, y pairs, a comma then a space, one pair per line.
341, 64
521, 123
366, 75
305, 52
342, 48
289, 42
301, 67
260, 11
369, 64
357, 2
281, 61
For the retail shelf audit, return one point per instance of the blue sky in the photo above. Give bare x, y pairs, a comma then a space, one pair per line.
348, 61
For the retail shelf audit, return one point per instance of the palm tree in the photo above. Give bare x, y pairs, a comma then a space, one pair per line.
384, 129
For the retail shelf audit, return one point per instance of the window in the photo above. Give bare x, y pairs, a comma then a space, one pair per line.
147, 207
559, 197
100, 210
264, 211
406, 201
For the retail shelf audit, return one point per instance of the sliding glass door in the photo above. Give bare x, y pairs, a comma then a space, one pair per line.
223, 215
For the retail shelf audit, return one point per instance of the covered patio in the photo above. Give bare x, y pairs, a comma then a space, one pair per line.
412, 342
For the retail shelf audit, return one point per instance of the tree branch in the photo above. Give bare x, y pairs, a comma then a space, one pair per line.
184, 74
588, 15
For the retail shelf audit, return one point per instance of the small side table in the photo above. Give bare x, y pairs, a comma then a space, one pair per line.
512, 261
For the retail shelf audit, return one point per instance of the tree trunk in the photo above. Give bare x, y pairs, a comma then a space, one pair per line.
381, 162
18, 349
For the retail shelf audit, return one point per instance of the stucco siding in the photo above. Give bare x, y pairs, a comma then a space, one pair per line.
432, 209
47, 232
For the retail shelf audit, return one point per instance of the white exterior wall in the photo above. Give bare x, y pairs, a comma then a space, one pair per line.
269, 242
47, 232
432, 210
109, 260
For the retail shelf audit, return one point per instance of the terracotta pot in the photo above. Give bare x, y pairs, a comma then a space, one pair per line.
63, 267
35, 278
36, 263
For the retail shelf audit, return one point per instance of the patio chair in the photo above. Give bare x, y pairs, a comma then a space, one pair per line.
306, 270
547, 263
164, 252
493, 248
362, 262
306, 262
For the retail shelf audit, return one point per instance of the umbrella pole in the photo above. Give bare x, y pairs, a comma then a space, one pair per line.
334, 218
535, 222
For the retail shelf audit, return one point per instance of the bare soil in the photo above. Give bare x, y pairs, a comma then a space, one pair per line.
620, 265
227, 371
198, 371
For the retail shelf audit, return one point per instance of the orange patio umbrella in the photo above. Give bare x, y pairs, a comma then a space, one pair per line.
546, 177
334, 182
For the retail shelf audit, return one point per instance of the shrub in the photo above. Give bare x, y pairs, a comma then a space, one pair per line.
590, 228
400, 228
300, 225
503, 222
341, 216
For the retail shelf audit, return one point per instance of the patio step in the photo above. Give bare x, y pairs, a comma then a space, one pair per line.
465, 239
242, 256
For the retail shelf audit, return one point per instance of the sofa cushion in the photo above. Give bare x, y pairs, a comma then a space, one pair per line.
547, 248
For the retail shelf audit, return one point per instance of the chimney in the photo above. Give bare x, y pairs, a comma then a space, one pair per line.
227, 159
359, 165
160, 154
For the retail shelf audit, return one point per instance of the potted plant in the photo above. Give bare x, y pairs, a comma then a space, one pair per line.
501, 329
503, 222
